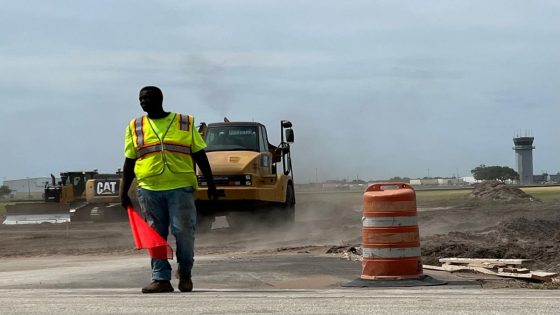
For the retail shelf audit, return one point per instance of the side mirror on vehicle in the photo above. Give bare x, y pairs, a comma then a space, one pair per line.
290, 135
203, 129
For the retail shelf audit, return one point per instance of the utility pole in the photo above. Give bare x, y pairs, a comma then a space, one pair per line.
28, 188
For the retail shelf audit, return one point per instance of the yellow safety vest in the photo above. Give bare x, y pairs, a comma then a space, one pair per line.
172, 150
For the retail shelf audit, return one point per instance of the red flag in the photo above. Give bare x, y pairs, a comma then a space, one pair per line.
145, 237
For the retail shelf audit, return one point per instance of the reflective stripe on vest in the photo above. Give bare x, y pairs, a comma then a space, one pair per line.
176, 148
166, 146
147, 150
184, 122
139, 131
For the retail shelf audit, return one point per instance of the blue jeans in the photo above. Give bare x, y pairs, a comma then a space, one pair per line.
176, 208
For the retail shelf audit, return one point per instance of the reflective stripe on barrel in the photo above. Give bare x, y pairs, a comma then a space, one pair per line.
389, 221
391, 252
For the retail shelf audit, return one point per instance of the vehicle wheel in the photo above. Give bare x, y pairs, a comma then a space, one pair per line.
290, 205
204, 223
285, 214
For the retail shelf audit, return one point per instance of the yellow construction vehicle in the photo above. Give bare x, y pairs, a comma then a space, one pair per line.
102, 198
59, 198
246, 172
78, 196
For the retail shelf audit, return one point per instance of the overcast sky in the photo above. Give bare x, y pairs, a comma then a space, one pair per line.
374, 89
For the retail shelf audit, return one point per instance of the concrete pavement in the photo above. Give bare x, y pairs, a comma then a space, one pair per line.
242, 284
331, 301
231, 271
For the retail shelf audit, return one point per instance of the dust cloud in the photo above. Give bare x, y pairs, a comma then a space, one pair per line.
318, 223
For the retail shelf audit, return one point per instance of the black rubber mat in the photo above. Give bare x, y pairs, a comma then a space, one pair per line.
422, 281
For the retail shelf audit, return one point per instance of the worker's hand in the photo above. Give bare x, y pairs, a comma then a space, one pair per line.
125, 201
212, 192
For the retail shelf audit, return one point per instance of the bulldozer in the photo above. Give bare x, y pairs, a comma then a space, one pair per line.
102, 199
59, 198
246, 167
78, 196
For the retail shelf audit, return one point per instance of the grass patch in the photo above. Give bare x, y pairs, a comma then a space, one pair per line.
425, 198
442, 195
549, 193
3, 205
3, 208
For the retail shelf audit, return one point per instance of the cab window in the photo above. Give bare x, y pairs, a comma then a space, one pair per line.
232, 138
263, 141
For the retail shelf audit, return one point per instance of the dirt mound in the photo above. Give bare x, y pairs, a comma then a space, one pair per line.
515, 238
498, 191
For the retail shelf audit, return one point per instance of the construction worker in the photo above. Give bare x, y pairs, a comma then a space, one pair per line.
160, 149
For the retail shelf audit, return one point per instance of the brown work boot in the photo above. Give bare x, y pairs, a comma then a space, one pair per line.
185, 283
158, 286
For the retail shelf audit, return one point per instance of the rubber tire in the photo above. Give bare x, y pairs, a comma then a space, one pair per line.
290, 205
285, 214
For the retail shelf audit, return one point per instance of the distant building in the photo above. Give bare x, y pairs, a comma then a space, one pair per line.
546, 178
430, 182
452, 181
524, 159
555, 178
540, 179
415, 182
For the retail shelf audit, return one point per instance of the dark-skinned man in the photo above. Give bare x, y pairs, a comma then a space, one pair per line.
160, 151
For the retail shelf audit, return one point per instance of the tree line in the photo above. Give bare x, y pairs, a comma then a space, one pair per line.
501, 173
4, 190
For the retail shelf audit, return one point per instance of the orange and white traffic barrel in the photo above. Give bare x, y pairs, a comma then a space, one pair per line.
390, 235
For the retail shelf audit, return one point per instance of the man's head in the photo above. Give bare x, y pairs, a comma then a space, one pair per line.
151, 99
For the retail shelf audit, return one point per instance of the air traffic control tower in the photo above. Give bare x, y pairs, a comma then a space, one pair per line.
524, 158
